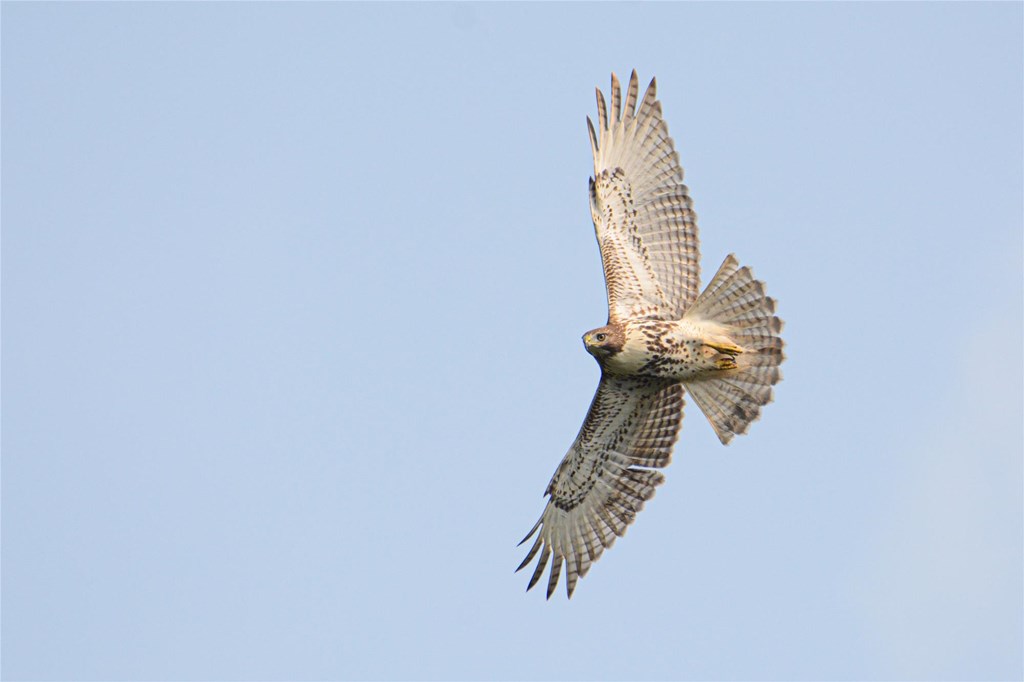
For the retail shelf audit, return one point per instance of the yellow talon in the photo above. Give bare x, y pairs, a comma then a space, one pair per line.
727, 354
727, 348
725, 362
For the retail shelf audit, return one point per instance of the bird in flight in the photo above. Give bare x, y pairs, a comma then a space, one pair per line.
664, 338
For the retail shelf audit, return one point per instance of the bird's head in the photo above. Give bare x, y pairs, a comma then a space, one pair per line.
604, 341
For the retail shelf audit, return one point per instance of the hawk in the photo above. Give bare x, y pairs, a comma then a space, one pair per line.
664, 338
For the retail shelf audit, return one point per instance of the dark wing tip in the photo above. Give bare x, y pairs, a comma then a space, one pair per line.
529, 555
555, 574
532, 531
593, 136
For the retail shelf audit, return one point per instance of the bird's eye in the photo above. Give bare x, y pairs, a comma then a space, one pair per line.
601, 337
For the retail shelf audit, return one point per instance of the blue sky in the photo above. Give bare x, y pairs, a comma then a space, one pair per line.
292, 305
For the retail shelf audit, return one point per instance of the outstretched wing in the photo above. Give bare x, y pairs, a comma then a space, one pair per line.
643, 215
607, 475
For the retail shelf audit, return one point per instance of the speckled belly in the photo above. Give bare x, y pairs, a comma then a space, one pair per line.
670, 350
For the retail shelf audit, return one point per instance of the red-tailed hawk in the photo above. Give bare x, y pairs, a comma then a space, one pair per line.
662, 340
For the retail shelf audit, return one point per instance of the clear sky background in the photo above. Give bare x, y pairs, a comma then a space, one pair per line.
292, 305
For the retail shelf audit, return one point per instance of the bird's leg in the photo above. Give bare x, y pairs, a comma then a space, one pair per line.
728, 353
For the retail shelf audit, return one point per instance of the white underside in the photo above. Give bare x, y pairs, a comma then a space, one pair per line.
686, 346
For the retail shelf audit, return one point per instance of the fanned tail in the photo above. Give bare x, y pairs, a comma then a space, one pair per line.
736, 302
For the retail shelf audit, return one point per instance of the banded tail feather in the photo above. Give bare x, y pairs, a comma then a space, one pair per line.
738, 304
